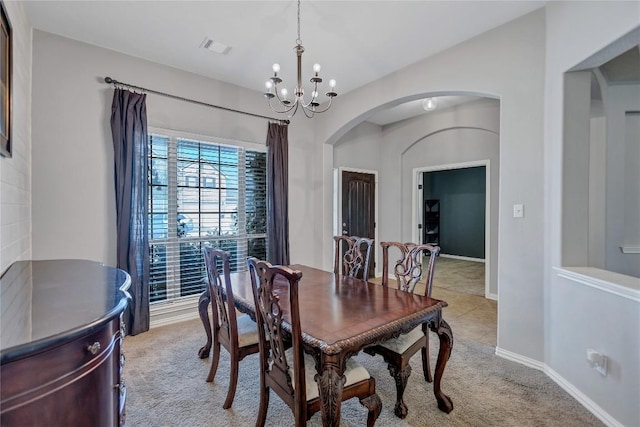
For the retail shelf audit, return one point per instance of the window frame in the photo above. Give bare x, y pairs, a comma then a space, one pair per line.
172, 240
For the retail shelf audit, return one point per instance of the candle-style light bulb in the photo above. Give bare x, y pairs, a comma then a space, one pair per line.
332, 83
316, 68
276, 68
284, 92
268, 84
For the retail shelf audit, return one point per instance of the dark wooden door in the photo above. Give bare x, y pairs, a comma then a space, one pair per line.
358, 208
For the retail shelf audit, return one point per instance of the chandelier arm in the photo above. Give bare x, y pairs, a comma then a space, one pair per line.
284, 104
308, 112
308, 104
285, 108
297, 104
325, 108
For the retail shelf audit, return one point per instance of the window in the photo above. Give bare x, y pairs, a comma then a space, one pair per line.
201, 194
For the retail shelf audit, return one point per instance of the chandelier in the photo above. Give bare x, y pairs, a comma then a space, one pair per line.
278, 95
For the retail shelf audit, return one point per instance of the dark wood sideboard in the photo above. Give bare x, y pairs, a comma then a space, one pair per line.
61, 333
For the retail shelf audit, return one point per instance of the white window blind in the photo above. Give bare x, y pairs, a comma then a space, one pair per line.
201, 194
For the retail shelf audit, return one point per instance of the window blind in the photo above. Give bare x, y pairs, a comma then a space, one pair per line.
201, 194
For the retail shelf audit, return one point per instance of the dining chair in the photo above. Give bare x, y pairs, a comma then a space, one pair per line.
237, 334
398, 351
284, 367
352, 255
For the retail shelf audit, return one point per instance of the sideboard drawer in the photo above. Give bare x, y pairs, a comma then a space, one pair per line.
47, 369
70, 384
60, 362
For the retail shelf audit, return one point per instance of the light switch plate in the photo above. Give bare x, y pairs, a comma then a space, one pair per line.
518, 211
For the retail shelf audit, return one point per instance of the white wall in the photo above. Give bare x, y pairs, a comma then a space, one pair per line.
73, 190
623, 179
460, 134
575, 201
585, 309
505, 63
597, 190
601, 172
359, 148
464, 134
15, 172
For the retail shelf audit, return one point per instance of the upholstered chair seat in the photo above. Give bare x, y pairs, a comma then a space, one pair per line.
397, 352
404, 341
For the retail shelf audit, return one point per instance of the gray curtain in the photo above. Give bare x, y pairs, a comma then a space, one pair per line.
277, 194
129, 130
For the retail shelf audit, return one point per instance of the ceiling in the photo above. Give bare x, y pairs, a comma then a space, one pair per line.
356, 42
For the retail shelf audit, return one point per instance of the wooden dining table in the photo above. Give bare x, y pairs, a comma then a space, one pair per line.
340, 316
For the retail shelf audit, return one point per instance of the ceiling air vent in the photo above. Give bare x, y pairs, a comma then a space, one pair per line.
215, 46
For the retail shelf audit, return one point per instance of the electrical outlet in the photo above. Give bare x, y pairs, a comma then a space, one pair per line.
597, 360
518, 211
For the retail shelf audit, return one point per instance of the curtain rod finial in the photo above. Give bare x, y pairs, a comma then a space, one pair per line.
108, 80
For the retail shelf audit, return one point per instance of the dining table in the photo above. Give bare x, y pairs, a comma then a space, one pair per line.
340, 316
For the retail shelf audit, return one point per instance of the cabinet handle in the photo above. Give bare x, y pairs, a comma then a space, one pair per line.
94, 348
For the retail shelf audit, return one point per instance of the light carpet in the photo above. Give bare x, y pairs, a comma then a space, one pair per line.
166, 386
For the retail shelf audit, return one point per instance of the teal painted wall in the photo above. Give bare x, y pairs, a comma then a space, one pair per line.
462, 195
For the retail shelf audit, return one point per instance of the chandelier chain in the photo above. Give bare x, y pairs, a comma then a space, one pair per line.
299, 40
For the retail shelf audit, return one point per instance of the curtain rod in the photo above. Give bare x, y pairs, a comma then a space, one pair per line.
109, 80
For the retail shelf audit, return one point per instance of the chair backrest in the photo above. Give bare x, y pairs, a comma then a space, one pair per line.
216, 264
408, 268
270, 309
354, 258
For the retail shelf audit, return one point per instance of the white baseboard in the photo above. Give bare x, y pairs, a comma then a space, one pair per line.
591, 406
492, 296
585, 401
518, 358
174, 312
463, 258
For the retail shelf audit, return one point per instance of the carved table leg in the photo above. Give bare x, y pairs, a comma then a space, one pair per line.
203, 309
446, 344
401, 377
330, 384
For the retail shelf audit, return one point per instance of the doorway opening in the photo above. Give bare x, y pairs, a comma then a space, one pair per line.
451, 208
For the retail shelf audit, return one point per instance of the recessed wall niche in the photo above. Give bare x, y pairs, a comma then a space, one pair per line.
601, 160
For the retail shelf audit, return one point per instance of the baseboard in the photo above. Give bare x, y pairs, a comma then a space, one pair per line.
591, 406
492, 296
463, 258
174, 312
174, 319
518, 358
585, 401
